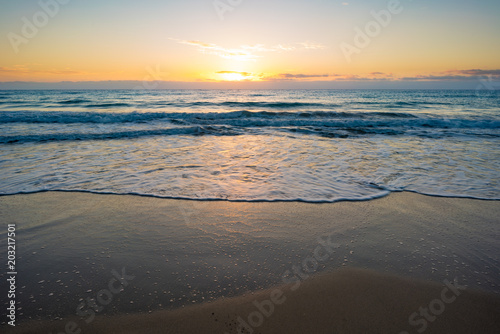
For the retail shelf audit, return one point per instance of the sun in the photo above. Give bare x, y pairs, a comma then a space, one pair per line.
232, 76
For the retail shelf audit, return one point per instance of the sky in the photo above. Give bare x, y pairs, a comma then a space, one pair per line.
250, 43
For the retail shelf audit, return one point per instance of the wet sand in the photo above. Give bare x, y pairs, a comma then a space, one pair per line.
345, 301
201, 267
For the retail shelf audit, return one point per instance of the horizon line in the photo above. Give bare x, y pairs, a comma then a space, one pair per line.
470, 84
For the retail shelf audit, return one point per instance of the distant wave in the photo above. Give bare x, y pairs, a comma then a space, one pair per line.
114, 117
107, 105
300, 105
339, 128
282, 105
242, 105
40, 138
49, 116
74, 101
244, 118
250, 105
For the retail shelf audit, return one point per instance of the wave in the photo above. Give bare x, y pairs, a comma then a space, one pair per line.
243, 105
329, 130
297, 105
74, 101
108, 105
131, 134
281, 105
250, 105
252, 118
131, 117
118, 104
381, 194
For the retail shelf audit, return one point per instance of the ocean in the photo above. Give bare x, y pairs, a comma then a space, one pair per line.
252, 145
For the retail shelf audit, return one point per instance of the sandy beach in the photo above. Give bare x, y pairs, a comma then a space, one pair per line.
359, 267
346, 301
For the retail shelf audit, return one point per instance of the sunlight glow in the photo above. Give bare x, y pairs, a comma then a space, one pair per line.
232, 76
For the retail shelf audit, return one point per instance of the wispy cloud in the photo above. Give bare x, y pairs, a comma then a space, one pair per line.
438, 78
477, 72
247, 52
245, 74
238, 76
312, 46
214, 49
24, 69
302, 76
278, 77
455, 75
257, 48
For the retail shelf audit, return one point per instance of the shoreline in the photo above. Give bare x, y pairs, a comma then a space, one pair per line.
389, 193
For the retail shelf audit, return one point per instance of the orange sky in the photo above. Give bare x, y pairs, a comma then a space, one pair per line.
256, 40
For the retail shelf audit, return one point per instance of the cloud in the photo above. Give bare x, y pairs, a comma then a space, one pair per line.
24, 69
382, 77
237, 76
302, 76
456, 75
247, 52
437, 78
214, 49
257, 48
200, 44
280, 47
447, 76
294, 76
246, 74
477, 72
14, 69
374, 76
452, 75
312, 46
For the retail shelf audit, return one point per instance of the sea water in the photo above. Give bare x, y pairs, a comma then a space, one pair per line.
252, 145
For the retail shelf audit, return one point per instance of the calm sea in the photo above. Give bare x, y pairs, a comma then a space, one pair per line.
308, 145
